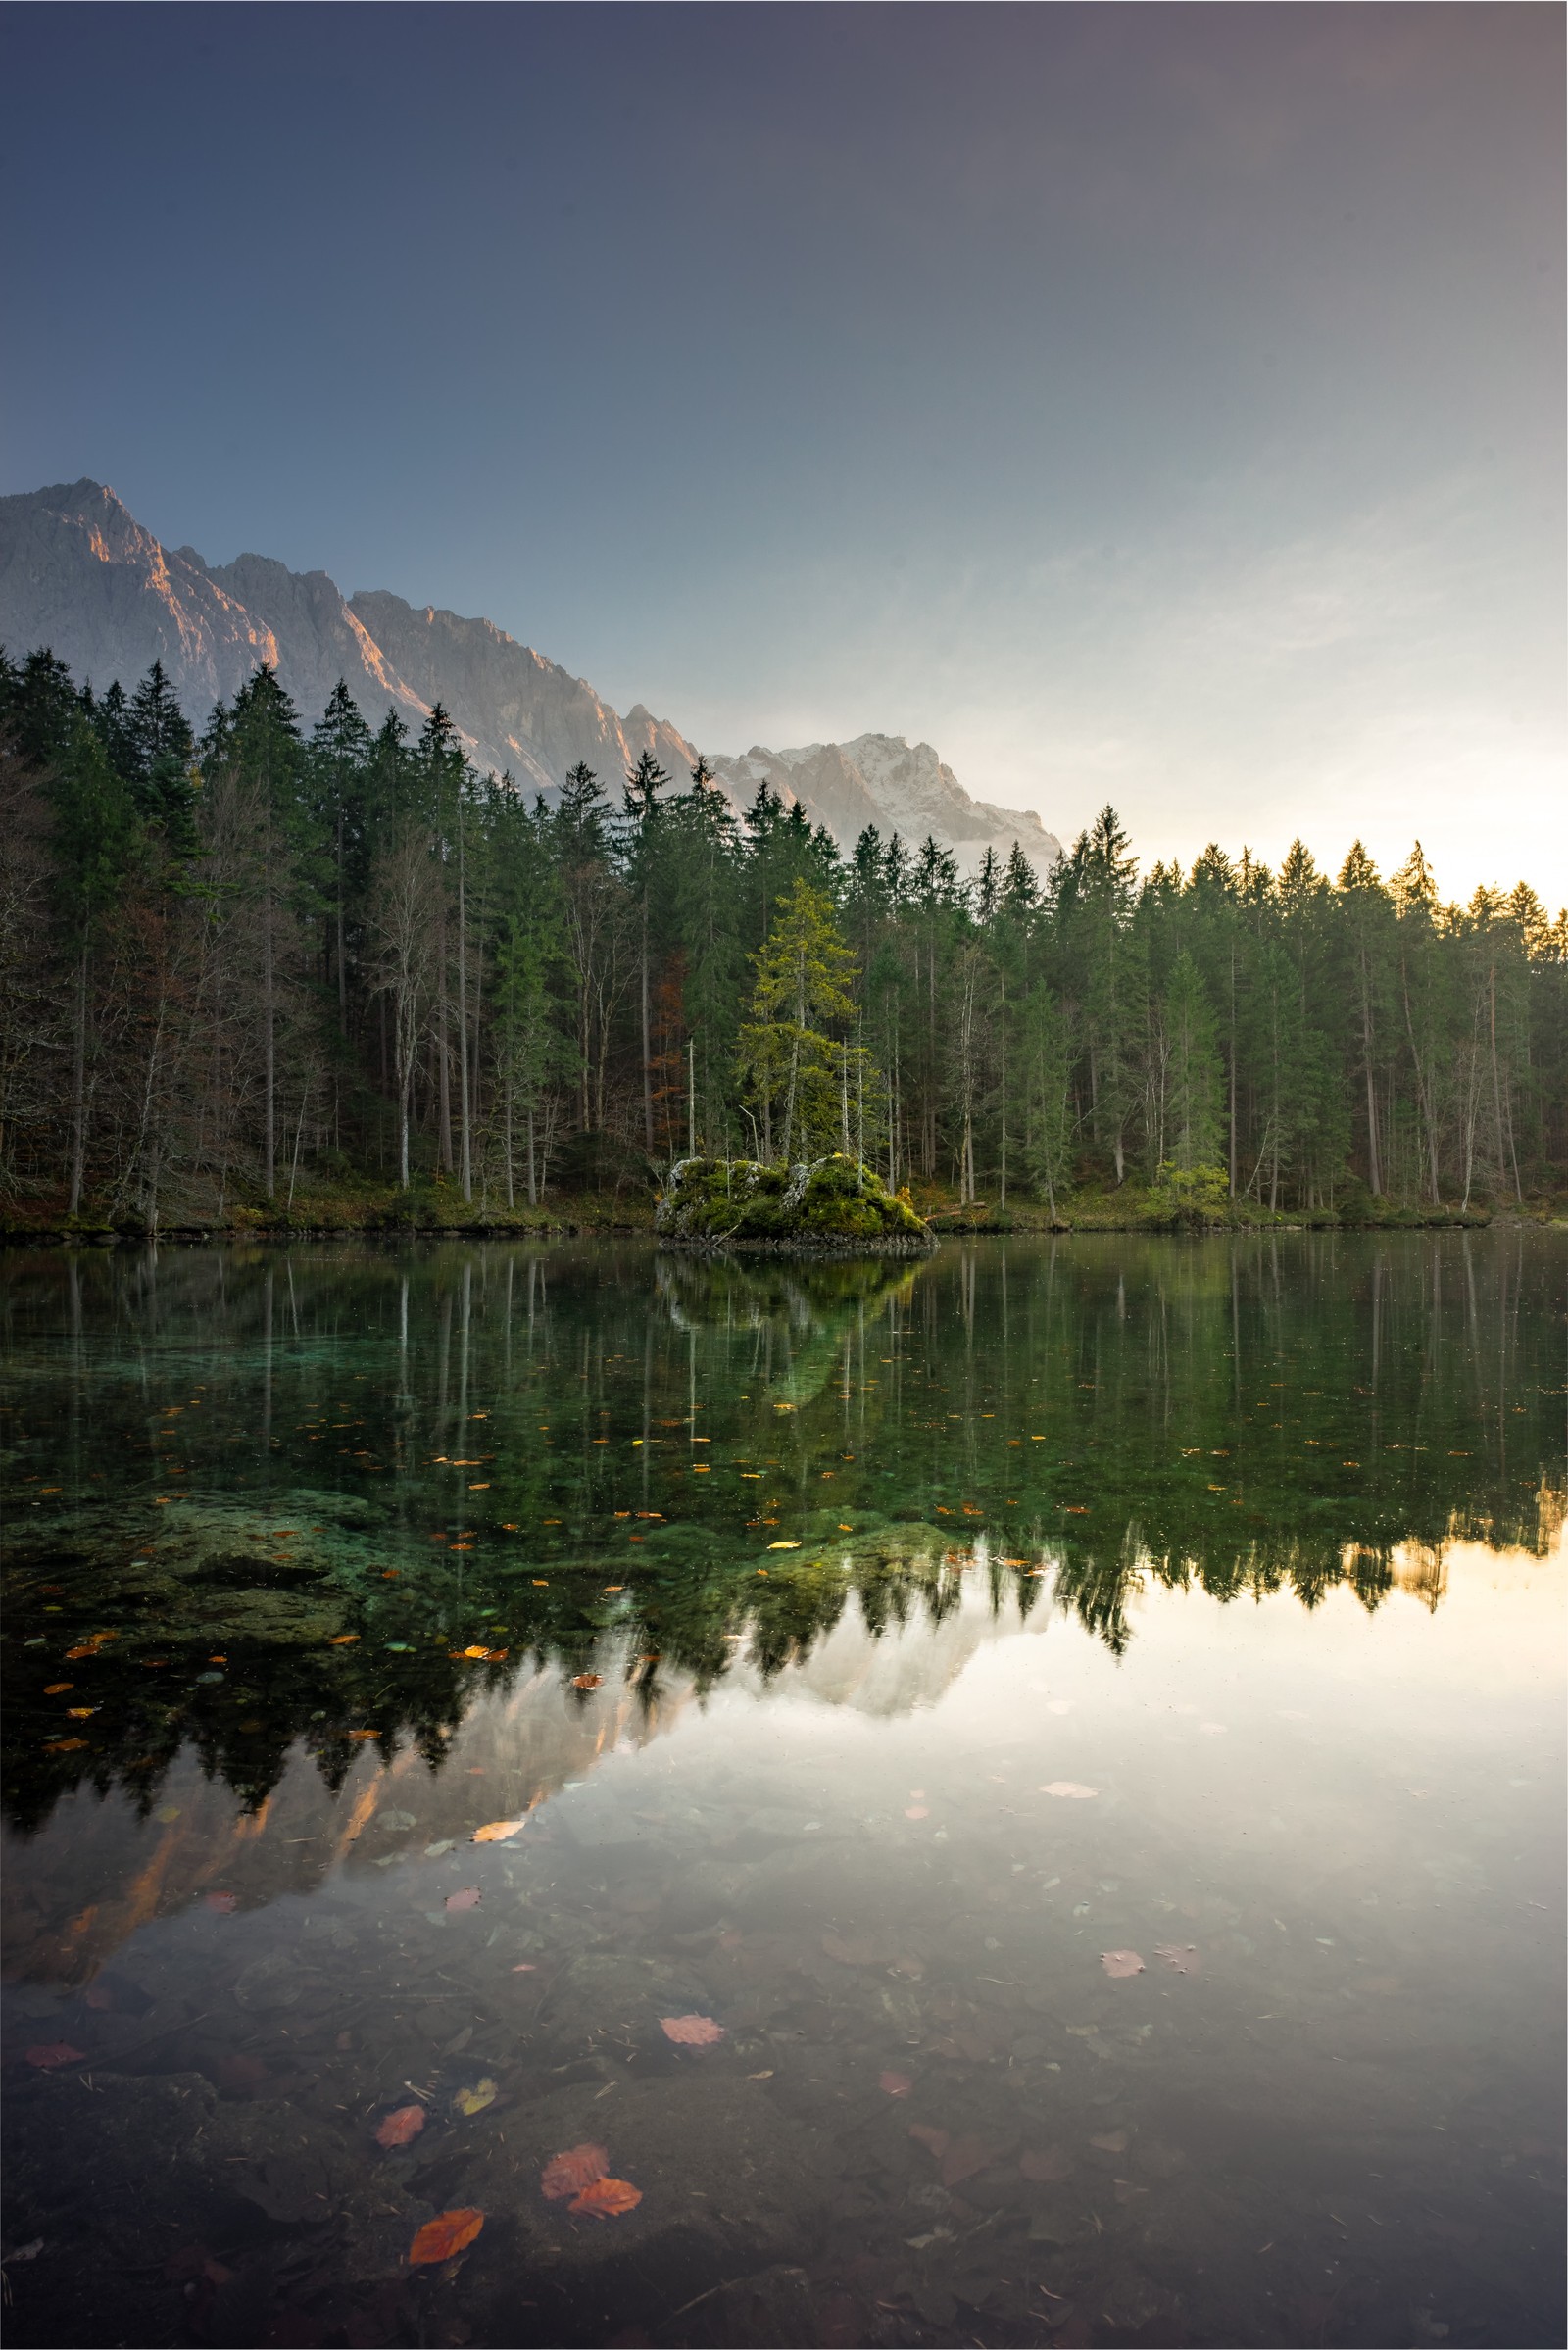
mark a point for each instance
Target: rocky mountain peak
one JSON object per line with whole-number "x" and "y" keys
{"x": 79, "y": 573}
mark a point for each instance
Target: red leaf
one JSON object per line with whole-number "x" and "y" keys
{"x": 964, "y": 2157}
{"x": 399, "y": 2128}
{"x": 691, "y": 2031}
{"x": 570, "y": 2172}
{"x": 1121, "y": 1964}
{"x": 55, "y": 2052}
{"x": 439, "y": 2238}
{"x": 933, "y": 2140}
{"x": 222, "y": 1902}
{"x": 1047, "y": 2167}
{"x": 896, "y": 2084}
{"x": 606, "y": 2198}
{"x": 586, "y": 1681}
{"x": 467, "y": 1898}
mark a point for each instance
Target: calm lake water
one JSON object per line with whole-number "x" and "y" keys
{"x": 1078, "y": 1725}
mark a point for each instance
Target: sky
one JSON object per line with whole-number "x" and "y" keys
{"x": 1161, "y": 404}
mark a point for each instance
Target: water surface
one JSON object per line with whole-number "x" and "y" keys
{"x": 1081, "y": 1721}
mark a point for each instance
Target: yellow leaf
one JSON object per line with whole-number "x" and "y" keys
{"x": 474, "y": 2100}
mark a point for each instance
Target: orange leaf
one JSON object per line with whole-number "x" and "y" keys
{"x": 568, "y": 2173}
{"x": 62, "y": 1746}
{"x": 606, "y": 2198}
{"x": 496, "y": 1832}
{"x": 399, "y": 2128}
{"x": 586, "y": 1681}
{"x": 691, "y": 2031}
{"x": 439, "y": 2238}
{"x": 341, "y": 1640}
{"x": 58, "y": 1688}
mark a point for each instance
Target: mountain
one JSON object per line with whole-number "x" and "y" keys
{"x": 81, "y": 575}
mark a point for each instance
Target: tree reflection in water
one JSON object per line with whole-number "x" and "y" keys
{"x": 326, "y": 1497}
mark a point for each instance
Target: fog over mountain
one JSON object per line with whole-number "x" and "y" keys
{"x": 81, "y": 575}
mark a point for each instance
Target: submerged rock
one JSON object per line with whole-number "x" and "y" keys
{"x": 833, "y": 1203}
{"x": 730, "y": 2185}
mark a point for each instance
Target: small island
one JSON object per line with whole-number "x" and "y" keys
{"x": 833, "y": 1204}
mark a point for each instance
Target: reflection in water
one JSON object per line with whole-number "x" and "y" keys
{"x": 773, "y": 1600}
{"x": 370, "y": 1485}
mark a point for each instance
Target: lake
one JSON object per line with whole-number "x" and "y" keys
{"x": 1011, "y": 1799}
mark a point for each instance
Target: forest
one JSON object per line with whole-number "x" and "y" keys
{"x": 246, "y": 971}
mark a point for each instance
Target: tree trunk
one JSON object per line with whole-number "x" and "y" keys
{"x": 78, "y": 1086}
{"x": 270, "y": 1043}
{"x": 462, "y": 1017}
{"x": 648, "y": 1066}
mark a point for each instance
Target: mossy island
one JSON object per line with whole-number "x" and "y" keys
{"x": 832, "y": 1205}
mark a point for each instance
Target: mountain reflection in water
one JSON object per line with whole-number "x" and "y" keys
{"x": 288, "y": 1499}
{"x": 849, "y": 1652}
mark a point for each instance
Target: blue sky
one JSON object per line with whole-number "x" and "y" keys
{"x": 1155, "y": 403}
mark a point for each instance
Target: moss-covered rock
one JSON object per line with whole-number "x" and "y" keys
{"x": 834, "y": 1203}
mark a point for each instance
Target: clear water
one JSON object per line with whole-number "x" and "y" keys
{"x": 1254, "y": 1547}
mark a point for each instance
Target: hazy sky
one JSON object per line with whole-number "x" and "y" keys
{"x": 1155, "y": 403}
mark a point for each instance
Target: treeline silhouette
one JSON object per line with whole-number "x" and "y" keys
{"x": 236, "y": 968}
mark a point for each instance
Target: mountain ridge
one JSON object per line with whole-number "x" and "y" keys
{"x": 81, "y": 575}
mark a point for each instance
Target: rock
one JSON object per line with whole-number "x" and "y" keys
{"x": 158, "y": 2163}
{"x": 828, "y": 1204}
{"x": 770, "y": 2311}
{"x": 730, "y": 2187}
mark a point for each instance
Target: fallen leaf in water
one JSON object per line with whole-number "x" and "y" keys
{"x": 222, "y": 1902}
{"x": 445, "y": 1843}
{"x": 1183, "y": 1956}
{"x": 342, "y": 1639}
{"x": 467, "y": 1898}
{"x": 474, "y": 2100}
{"x": 27, "y": 2251}
{"x": 400, "y": 2127}
{"x": 55, "y": 2052}
{"x": 439, "y": 2238}
{"x": 568, "y": 2173}
{"x": 64, "y": 1745}
{"x": 58, "y": 1688}
{"x": 358, "y": 1736}
{"x": 1046, "y": 2166}
{"x": 783, "y": 1545}
{"x": 1121, "y": 1963}
{"x": 917, "y": 1811}
{"x": 525, "y": 1966}
{"x": 928, "y": 2135}
{"x": 586, "y": 1681}
{"x": 1069, "y": 1786}
{"x": 1111, "y": 2141}
{"x": 896, "y": 2084}
{"x": 496, "y": 1832}
{"x": 606, "y": 2198}
{"x": 853, "y": 1950}
{"x": 691, "y": 2031}
{"x": 1059, "y": 1705}
{"x": 965, "y": 2156}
